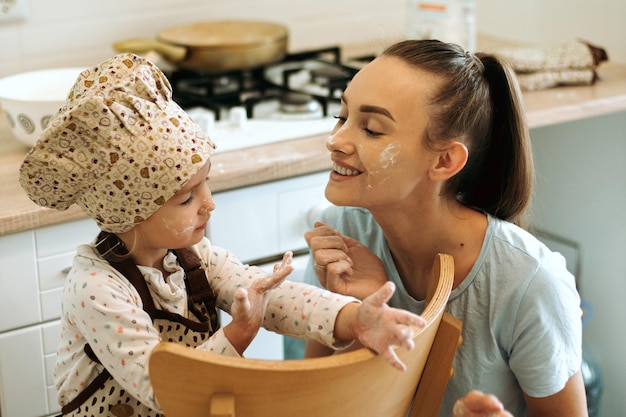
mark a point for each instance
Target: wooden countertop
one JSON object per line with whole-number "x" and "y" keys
{"x": 228, "y": 170}
{"x": 306, "y": 155}
{"x": 564, "y": 104}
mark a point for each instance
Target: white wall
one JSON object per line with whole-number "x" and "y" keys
{"x": 542, "y": 22}
{"x": 581, "y": 194}
{"x": 581, "y": 173}
{"x": 75, "y": 32}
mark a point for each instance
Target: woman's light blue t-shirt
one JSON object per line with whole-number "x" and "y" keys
{"x": 519, "y": 305}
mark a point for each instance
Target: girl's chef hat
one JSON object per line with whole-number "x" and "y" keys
{"x": 119, "y": 148}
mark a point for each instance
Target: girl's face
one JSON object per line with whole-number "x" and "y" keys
{"x": 377, "y": 147}
{"x": 182, "y": 220}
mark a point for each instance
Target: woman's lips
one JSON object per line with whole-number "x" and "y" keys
{"x": 345, "y": 171}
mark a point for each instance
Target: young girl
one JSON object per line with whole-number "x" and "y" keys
{"x": 137, "y": 164}
{"x": 431, "y": 154}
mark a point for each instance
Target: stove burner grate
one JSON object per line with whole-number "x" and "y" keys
{"x": 251, "y": 88}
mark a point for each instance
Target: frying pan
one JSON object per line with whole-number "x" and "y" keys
{"x": 216, "y": 46}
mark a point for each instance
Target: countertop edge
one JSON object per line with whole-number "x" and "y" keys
{"x": 271, "y": 162}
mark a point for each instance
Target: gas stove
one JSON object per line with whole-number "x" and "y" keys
{"x": 295, "y": 98}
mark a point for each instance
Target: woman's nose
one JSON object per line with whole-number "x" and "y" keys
{"x": 337, "y": 141}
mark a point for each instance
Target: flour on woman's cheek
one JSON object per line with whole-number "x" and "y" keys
{"x": 387, "y": 159}
{"x": 389, "y": 155}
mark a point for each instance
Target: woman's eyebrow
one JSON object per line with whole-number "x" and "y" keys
{"x": 367, "y": 108}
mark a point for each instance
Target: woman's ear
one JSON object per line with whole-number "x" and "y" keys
{"x": 449, "y": 161}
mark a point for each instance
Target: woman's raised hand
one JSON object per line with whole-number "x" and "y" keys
{"x": 343, "y": 265}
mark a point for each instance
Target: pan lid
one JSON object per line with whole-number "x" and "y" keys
{"x": 225, "y": 34}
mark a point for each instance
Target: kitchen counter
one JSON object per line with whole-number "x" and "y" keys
{"x": 228, "y": 170}
{"x": 305, "y": 155}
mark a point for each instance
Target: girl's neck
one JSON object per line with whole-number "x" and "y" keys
{"x": 141, "y": 253}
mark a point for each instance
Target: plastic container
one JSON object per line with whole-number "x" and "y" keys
{"x": 447, "y": 20}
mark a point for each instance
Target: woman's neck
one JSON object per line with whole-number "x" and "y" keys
{"x": 417, "y": 235}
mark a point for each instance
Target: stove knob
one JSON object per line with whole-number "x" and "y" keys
{"x": 238, "y": 117}
{"x": 206, "y": 121}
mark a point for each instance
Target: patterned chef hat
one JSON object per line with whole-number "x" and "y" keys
{"x": 120, "y": 147}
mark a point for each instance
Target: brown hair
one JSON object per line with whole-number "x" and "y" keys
{"x": 479, "y": 103}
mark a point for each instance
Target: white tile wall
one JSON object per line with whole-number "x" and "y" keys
{"x": 555, "y": 21}
{"x": 75, "y": 32}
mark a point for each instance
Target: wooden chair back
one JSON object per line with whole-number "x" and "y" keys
{"x": 193, "y": 383}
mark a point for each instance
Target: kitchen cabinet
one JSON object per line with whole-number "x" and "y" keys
{"x": 33, "y": 265}
{"x": 258, "y": 224}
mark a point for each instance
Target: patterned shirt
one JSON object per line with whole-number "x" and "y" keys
{"x": 102, "y": 308}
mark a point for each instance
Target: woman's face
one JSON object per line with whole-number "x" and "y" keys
{"x": 378, "y": 151}
{"x": 182, "y": 220}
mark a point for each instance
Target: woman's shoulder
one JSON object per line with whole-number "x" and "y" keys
{"x": 520, "y": 250}
{"x": 518, "y": 239}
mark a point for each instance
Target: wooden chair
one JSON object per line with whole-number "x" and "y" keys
{"x": 192, "y": 383}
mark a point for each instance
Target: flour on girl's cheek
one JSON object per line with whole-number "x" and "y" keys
{"x": 179, "y": 227}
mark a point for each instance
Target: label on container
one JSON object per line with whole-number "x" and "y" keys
{"x": 447, "y": 20}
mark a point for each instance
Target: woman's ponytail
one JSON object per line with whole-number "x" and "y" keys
{"x": 504, "y": 186}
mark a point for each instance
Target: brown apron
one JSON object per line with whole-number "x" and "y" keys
{"x": 104, "y": 396}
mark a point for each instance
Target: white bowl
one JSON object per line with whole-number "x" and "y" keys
{"x": 30, "y": 99}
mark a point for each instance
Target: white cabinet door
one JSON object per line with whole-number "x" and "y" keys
{"x": 55, "y": 247}
{"x": 266, "y": 219}
{"x": 19, "y": 297}
{"x": 244, "y": 222}
{"x": 32, "y": 266}
{"x": 296, "y": 204}
{"x": 23, "y": 391}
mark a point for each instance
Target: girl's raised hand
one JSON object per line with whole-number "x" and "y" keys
{"x": 249, "y": 306}
{"x": 478, "y": 404}
{"x": 381, "y": 328}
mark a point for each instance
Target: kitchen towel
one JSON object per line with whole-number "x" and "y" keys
{"x": 570, "y": 63}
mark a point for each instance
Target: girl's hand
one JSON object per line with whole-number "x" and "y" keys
{"x": 249, "y": 305}
{"x": 381, "y": 328}
{"x": 343, "y": 265}
{"x": 479, "y": 404}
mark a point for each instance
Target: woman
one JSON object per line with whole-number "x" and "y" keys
{"x": 431, "y": 154}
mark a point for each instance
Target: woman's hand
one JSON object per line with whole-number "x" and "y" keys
{"x": 479, "y": 404}
{"x": 343, "y": 265}
{"x": 249, "y": 306}
{"x": 379, "y": 327}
